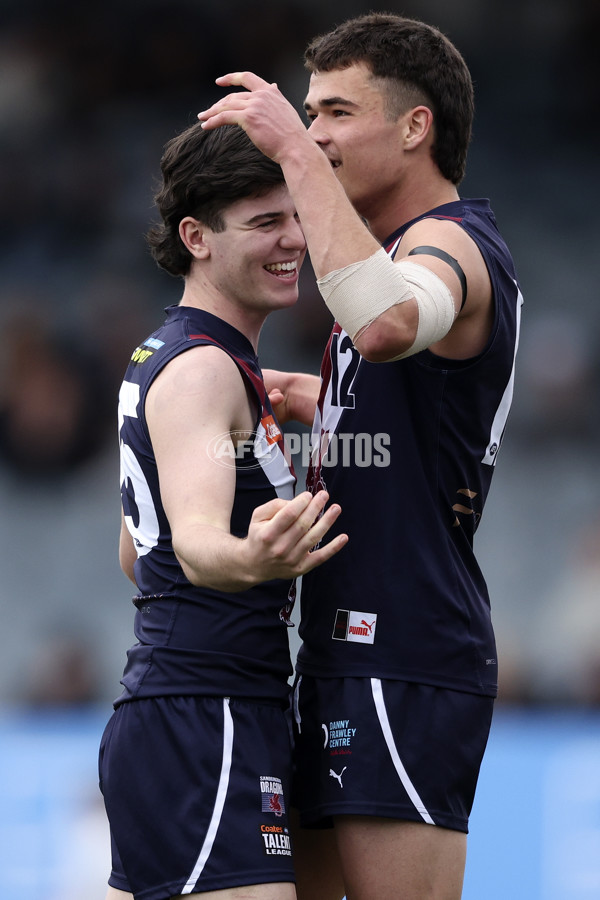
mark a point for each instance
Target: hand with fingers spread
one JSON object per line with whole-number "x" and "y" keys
{"x": 262, "y": 111}
{"x": 283, "y": 533}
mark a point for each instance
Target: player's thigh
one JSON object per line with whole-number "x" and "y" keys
{"x": 390, "y": 859}
{"x": 316, "y": 862}
{"x": 278, "y": 891}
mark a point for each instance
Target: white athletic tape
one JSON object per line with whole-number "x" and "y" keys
{"x": 359, "y": 293}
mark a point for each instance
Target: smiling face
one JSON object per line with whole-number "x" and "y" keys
{"x": 347, "y": 113}
{"x": 253, "y": 264}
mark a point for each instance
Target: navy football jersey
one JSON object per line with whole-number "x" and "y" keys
{"x": 197, "y": 640}
{"x": 408, "y": 449}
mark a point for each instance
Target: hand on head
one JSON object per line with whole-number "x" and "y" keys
{"x": 261, "y": 110}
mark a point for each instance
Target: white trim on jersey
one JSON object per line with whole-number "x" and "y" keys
{"x": 393, "y": 249}
{"x": 389, "y": 739}
{"x": 129, "y": 398}
{"x": 499, "y": 423}
{"x": 219, "y": 801}
{"x": 274, "y": 464}
{"x": 145, "y": 535}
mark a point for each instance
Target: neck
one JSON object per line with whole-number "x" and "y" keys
{"x": 203, "y": 295}
{"x": 412, "y": 199}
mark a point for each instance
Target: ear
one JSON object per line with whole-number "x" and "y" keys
{"x": 419, "y": 124}
{"x": 191, "y": 233}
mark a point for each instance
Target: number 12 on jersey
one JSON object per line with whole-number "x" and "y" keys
{"x": 345, "y": 360}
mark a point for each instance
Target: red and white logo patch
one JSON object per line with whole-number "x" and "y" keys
{"x": 358, "y": 627}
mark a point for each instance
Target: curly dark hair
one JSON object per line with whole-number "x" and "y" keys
{"x": 204, "y": 172}
{"x": 419, "y": 65}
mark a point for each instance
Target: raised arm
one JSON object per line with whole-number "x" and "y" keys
{"x": 197, "y": 400}
{"x": 322, "y": 206}
{"x": 389, "y": 309}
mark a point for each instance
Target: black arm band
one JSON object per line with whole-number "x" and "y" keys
{"x": 441, "y": 254}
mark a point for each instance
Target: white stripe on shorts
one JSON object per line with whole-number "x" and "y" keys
{"x": 219, "y": 801}
{"x": 296, "y": 704}
{"x": 389, "y": 739}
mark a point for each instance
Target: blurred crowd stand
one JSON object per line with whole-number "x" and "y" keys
{"x": 88, "y": 97}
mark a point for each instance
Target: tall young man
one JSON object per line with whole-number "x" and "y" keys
{"x": 398, "y": 669}
{"x": 194, "y": 763}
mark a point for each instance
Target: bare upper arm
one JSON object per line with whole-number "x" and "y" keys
{"x": 471, "y": 328}
{"x": 197, "y": 400}
{"x": 394, "y": 331}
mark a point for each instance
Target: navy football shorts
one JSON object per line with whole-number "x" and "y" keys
{"x": 196, "y": 791}
{"x": 372, "y": 747}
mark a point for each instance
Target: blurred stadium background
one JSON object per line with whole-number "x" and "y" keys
{"x": 89, "y": 94}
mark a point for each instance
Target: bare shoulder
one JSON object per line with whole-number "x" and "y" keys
{"x": 197, "y": 369}
{"x": 450, "y": 237}
{"x": 470, "y": 332}
{"x": 202, "y": 381}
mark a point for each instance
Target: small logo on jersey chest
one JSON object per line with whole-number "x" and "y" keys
{"x": 272, "y": 430}
{"x": 146, "y": 350}
{"x": 358, "y": 627}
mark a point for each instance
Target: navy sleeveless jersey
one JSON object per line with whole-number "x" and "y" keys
{"x": 408, "y": 449}
{"x": 196, "y": 640}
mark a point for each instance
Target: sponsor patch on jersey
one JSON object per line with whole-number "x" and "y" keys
{"x": 276, "y": 839}
{"x": 358, "y": 627}
{"x": 141, "y": 354}
{"x": 271, "y": 791}
{"x": 146, "y": 350}
{"x": 272, "y": 430}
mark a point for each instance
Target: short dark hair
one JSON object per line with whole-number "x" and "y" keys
{"x": 421, "y": 67}
{"x": 204, "y": 172}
